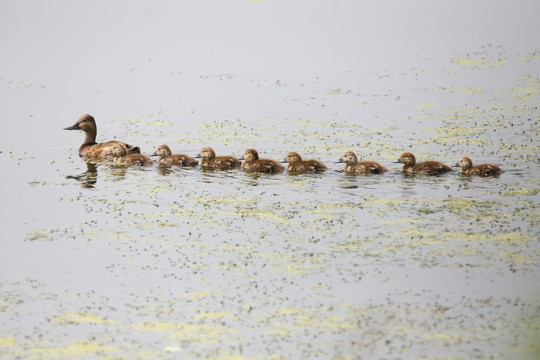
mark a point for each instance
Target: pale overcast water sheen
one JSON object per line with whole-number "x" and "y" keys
{"x": 105, "y": 262}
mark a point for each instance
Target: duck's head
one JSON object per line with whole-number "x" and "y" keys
{"x": 464, "y": 163}
{"x": 162, "y": 151}
{"x": 118, "y": 150}
{"x": 293, "y": 157}
{"x": 349, "y": 157}
{"x": 250, "y": 155}
{"x": 407, "y": 159}
{"x": 86, "y": 123}
{"x": 207, "y": 153}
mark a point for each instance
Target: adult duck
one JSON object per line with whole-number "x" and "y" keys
{"x": 90, "y": 148}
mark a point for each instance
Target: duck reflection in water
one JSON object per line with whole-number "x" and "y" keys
{"x": 88, "y": 178}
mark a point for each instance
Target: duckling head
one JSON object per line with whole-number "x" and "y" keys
{"x": 407, "y": 159}
{"x": 349, "y": 157}
{"x": 118, "y": 150}
{"x": 293, "y": 157}
{"x": 162, "y": 151}
{"x": 207, "y": 153}
{"x": 464, "y": 163}
{"x": 250, "y": 155}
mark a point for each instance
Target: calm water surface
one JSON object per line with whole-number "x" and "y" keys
{"x": 103, "y": 261}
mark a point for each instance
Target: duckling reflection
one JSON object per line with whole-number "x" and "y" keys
{"x": 353, "y": 166}
{"x": 89, "y": 148}
{"x": 427, "y": 167}
{"x": 88, "y": 178}
{"x": 210, "y": 161}
{"x": 167, "y": 158}
{"x": 121, "y": 156}
{"x": 253, "y": 163}
{"x": 467, "y": 168}
{"x": 297, "y": 165}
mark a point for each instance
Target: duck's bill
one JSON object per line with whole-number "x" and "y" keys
{"x": 74, "y": 127}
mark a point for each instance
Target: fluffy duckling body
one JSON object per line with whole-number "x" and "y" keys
{"x": 353, "y": 166}
{"x": 90, "y": 149}
{"x": 427, "y": 167}
{"x": 296, "y": 164}
{"x": 168, "y": 159}
{"x": 121, "y": 156}
{"x": 210, "y": 161}
{"x": 253, "y": 163}
{"x": 467, "y": 168}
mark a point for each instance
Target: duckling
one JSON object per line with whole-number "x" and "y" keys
{"x": 120, "y": 153}
{"x": 253, "y": 163}
{"x": 91, "y": 149}
{"x": 427, "y": 167}
{"x": 467, "y": 168}
{"x": 210, "y": 161}
{"x": 360, "y": 167}
{"x": 167, "y": 159}
{"x": 296, "y": 164}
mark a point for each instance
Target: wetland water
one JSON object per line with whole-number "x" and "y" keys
{"x": 102, "y": 261}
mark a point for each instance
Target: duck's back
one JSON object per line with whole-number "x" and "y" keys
{"x": 225, "y": 162}
{"x": 484, "y": 170}
{"x": 366, "y": 167}
{"x": 263, "y": 165}
{"x": 99, "y": 150}
{"x": 178, "y": 159}
{"x": 135, "y": 159}
{"x": 307, "y": 166}
{"x": 431, "y": 167}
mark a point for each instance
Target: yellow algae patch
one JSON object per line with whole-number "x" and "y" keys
{"x": 38, "y": 235}
{"x": 83, "y": 318}
{"x": 480, "y": 63}
{"x": 74, "y": 350}
{"x": 442, "y": 336}
{"x": 424, "y": 106}
{"x": 7, "y": 341}
{"x": 522, "y": 192}
{"x": 468, "y": 90}
{"x": 215, "y": 315}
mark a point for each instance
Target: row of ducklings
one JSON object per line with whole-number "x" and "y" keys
{"x": 250, "y": 161}
{"x": 128, "y": 154}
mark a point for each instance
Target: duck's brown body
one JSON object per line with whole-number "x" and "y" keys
{"x": 297, "y": 165}
{"x": 467, "y": 168}
{"x": 427, "y": 167}
{"x": 253, "y": 163}
{"x": 90, "y": 149}
{"x": 210, "y": 161}
{"x": 119, "y": 151}
{"x": 353, "y": 166}
{"x": 169, "y": 159}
